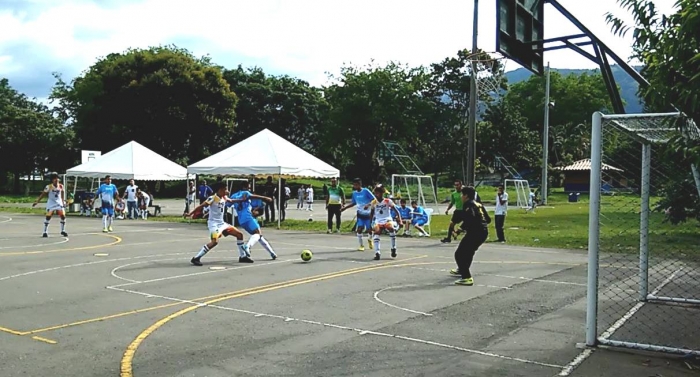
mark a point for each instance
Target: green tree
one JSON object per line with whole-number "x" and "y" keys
{"x": 371, "y": 105}
{"x": 162, "y": 97}
{"x": 31, "y": 138}
{"x": 285, "y": 105}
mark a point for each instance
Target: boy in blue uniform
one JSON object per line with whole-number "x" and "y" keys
{"x": 107, "y": 192}
{"x": 420, "y": 218}
{"x": 247, "y": 220}
{"x": 362, "y": 198}
{"x": 406, "y": 216}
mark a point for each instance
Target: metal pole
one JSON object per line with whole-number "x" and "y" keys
{"x": 594, "y": 230}
{"x": 279, "y": 200}
{"x": 644, "y": 225}
{"x": 696, "y": 176}
{"x": 471, "y": 136}
{"x": 545, "y": 140}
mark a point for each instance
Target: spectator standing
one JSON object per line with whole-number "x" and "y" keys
{"x": 300, "y": 197}
{"x": 500, "y": 214}
{"x": 310, "y": 198}
{"x": 131, "y": 199}
{"x": 335, "y": 200}
{"x": 204, "y": 192}
{"x": 189, "y": 198}
{"x": 270, "y": 192}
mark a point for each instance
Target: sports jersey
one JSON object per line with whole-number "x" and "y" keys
{"x": 107, "y": 192}
{"x": 335, "y": 195}
{"x": 419, "y": 213}
{"x": 217, "y": 208}
{"x": 405, "y": 212}
{"x": 382, "y": 210}
{"x": 55, "y": 195}
{"x": 456, "y": 200}
{"x": 131, "y": 193}
{"x": 361, "y": 199}
{"x": 474, "y": 218}
{"x": 244, "y": 208}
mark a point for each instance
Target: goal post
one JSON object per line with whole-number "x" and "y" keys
{"x": 643, "y": 244}
{"x": 415, "y": 187}
{"x": 521, "y": 189}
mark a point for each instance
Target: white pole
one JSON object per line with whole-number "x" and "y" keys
{"x": 644, "y": 224}
{"x": 279, "y": 201}
{"x": 545, "y": 139}
{"x": 594, "y": 230}
{"x": 696, "y": 175}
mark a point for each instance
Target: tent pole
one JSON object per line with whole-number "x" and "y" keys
{"x": 279, "y": 201}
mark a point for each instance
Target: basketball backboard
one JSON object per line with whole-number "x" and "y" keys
{"x": 520, "y": 23}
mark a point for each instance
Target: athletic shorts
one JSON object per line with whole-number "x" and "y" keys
{"x": 384, "y": 223}
{"x": 54, "y": 208}
{"x": 419, "y": 222}
{"x": 107, "y": 209}
{"x": 249, "y": 224}
{"x": 217, "y": 230}
{"x": 363, "y": 223}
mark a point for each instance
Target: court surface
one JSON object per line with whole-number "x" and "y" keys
{"x": 129, "y": 303}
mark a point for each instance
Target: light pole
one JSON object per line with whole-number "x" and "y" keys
{"x": 471, "y": 133}
{"x": 545, "y": 137}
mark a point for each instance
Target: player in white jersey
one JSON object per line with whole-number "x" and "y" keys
{"x": 217, "y": 226}
{"x": 382, "y": 219}
{"x": 54, "y": 204}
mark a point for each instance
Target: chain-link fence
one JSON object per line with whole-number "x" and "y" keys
{"x": 644, "y": 236}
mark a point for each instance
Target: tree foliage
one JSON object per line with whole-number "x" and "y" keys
{"x": 162, "y": 97}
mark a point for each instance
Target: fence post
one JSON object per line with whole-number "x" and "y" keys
{"x": 594, "y": 229}
{"x": 644, "y": 224}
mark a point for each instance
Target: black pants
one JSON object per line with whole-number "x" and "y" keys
{"x": 464, "y": 255}
{"x": 334, "y": 210}
{"x": 283, "y": 207}
{"x": 270, "y": 208}
{"x": 500, "y": 221}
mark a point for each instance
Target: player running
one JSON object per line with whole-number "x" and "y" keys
{"x": 107, "y": 192}
{"x": 362, "y": 198}
{"x": 247, "y": 220}
{"x": 474, "y": 219}
{"x": 217, "y": 226}
{"x": 383, "y": 220}
{"x": 54, "y": 204}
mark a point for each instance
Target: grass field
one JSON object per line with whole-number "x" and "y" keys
{"x": 560, "y": 225}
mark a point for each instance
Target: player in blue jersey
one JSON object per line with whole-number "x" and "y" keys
{"x": 362, "y": 198}
{"x": 247, "y": 220}
{"x": 420, "y": 218}
{"x": 217, "y": 224}
{"x": 107, "y": 193}
{"x": 406, "y": 216}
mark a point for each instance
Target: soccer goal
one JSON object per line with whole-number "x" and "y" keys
{"x": 415, "y": 187}
{"x": 643, "y": 241}
{"x": 521, "y": 189}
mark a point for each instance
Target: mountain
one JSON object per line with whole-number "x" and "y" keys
{"x": 628, "y": 86}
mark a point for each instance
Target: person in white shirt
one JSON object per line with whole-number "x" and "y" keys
{"x": 309, "y": 198}
{"x": 54, "y": 204}
{"x": 532, "y": 202}
{"x": 501, "y": 211}
{"x": 300, "y": 197}
{"x": 190, "y": 197}
{"x": 131, "y": 199}
{"x": 145, "y": 201}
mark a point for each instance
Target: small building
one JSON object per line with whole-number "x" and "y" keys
{"x": 577, "y": 176}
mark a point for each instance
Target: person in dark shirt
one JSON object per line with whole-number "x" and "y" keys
{"x": 474, "y": 220}
{"x": 270, "y": 191}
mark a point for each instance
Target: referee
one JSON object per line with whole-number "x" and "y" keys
{"x": 474, "y": 219}
{"x": 456, "y": 201}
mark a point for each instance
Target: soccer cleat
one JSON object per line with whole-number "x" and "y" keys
{"x": 393, "y": 253}
{"x": 377, "y": 256}
{"x": 274, "y": 256}
{"x": 45, "y": 235}
{"x": 110, "y": 229}
{"x": 454, "y": 271}
{"x": 195, "y": 261}
{"x": 445, "y": 240}
{"x": 64, "y": 234}
{"x": 361, "y": 248}
{"x": 371, "y": 243}
{"x": 246, "y": 248}
{"x": 467, "y": 281}
{"x": 104, "y": 230}
{"x": 245, "y": 260}
{"x": 329, "y": 231}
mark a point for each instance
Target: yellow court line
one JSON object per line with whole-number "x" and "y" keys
{"x": 21, "y": 333}
{"x": 128, "y": 357}
{"x": 49, "y": 341}
{"x": 117, "y": 240}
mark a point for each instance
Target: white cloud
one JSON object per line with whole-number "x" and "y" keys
{"x": 304, "y": 38}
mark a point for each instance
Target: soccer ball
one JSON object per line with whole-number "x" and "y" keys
{"x": 306, "y": 255}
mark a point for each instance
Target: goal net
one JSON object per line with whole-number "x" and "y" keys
{"x": 643, "y": 242}
{"x": 415, "y": 187}
{"x": 518, "y": 189}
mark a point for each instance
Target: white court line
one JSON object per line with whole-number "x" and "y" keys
{"x": 614, "y": 327}
{"x": 510, "y": 277}
{"x": 340, "y": 327}
{"x": 7, "y": 219}
{"x": 64, "y": 240}
{"x": 376, "y": 297}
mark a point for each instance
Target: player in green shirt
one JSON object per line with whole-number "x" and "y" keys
{"x": 456, "y": 201}
{"x": 335, "y": 200}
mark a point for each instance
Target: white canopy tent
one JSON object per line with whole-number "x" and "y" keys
{"x": 263, "y": 154}
{"x": 130, "y": 161}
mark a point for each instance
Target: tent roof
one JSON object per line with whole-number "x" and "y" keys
{"x": 585, "y": 165}
{"x": 131, "y": 161}
{"x": 264, "y": 153}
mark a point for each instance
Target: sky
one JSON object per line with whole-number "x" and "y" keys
{"x": 302, "y": 38}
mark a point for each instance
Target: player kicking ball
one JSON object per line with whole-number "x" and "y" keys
{"x": 362, "y": 198}
{"x": 217, "y": 226}
{"x": 54, "y": 204}
{"x": 247, "y": 219}
{"x": 383, "y": 220}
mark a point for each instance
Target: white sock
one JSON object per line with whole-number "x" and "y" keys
{"x": 241, "y": 249}
{"x": 267, "y": 246}
{"x": 46, "y": 226}
{"x": 104, "y": 221}
{"x": 359, "y": 238}
{"x": 63, "y": 225}
{"x": 253, "y": 240}
{"x": 376, "y": 244}
{"x": 203, "y": 251}
{"x": 392, "y": 234}
{"x": 110, "y": 218}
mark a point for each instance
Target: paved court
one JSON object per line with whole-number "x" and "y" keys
{"x": 129, "y": 303}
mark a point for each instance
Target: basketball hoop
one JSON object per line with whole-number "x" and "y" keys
{"x": 490, "y": 74}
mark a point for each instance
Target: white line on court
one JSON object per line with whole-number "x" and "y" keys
{"x": 287, "y": 319}
{"x": 509, "y": 277}
{"x": 7, "y": 219}
{"x": 614, "y": 327}
{"x": 64, "y": 240}
{"x": 376, "y": 297}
